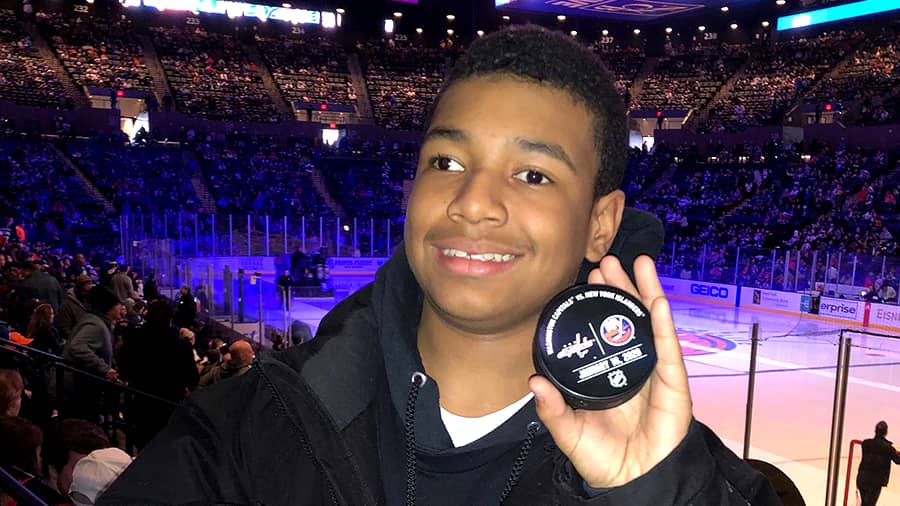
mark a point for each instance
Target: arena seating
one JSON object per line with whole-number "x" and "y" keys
{"x": 309, "y": 68}
{"x": 402, "y": 81}
{"x": 25, "y": 78}
{"x": 98, "y": 52}
{"x": 208, "y": 71}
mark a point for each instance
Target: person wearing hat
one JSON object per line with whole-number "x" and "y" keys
{"x": 74, "y": 306}
{"x": 875, "y": 466}
{"x": 91, "y": 345}
{"x": 93, "y": 474}
{"x": 91, "y": 349}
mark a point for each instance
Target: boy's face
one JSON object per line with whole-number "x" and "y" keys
{"x": 506, "y": 171}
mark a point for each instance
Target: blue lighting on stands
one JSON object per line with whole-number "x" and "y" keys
{"x": 831, "y": 14}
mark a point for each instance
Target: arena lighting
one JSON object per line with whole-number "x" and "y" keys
{"x": 734, "y": 26}
{"x": 841, "y": 12}
{"x": 724, "y": 8}
{"x": 233, "y": 9}
{"x": 605, "y": 32}
{"x": 450, "y": 17}
{"x": 668, "y": 29}
{"x": 480, "y": 33}
{"x": 637, "y": 31}
{"x": 398, "y": 14}
{"x": 766, "y": 24}
{"x": 505, "y": 18}
{"x": 419, "y": 31}
{"x": 388, "y": 26}
{"x": 450, "y": 31}
{"x": 828, "y": 107}
{"x": 701, "y": 28}
{"x": 780, "y": 2}
{"x": 340, "y": 11}
{"x": 286, "y": 5}
{"x": 560, "y": 18}
{"x": 573, "y": 33}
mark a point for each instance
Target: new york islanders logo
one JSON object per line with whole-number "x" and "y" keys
{"x": 617, "y": 330}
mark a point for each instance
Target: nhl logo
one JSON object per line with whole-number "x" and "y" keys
{"x": 617, "y": 379}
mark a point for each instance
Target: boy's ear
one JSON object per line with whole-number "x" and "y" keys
{"x": 606, "y": 216}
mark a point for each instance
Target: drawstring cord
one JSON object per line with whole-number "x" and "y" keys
{"x": 519, "y": 464}
{"x": 418, "y": 380}
{"x": 409, "y": 428}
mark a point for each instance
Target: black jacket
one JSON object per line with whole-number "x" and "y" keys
{"x": 323, "y": 424}
{"x": 875, "y": 466}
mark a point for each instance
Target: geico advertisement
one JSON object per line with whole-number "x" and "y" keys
{"x": 713, "y": 292}
{"x": 840, "y": 308}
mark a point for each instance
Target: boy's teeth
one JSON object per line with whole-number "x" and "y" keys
{"x": 482, "y": 257}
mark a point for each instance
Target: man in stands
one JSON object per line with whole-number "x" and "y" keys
{"x": 67, "y": 443}
{"x": 21, "y": 442}
{"x": 74, "y": 306}
{"x": 41, "y": 286}
{"x": 122, "y": 285}
{"x": 875, "y": 466}
{"x": 522, "y": 158}
{"x": 239, "y": 361}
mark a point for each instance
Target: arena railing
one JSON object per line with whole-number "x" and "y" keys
{"x": 57, "y": 388}
{"x": 16, "y": 491}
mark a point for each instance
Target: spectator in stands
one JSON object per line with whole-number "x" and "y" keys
{"x": 185, "y": 308}
{"x": 875, "y": 467}
{"x": 122, "y": 285}
{"x": 46, "y": 337}
{"x": 94, "y": 473}
{"x": 74, "y": 306}
{"x": 66, "y": 443}
{"x": 239, "y": 361}
{"x": 41, "y": 286}
{"x": 158, "y": 361}
{"x": 11, "y": 390}
{"x": 21, "y": 442}
{"x": 151, "y": 288}
{"x": 91, "y": 345}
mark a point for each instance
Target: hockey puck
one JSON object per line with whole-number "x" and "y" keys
{"x": 595, "y": 344}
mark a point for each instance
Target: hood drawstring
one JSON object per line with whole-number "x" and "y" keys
{"x": 409, "y": 428}
{"x": 418, "y": 380}
{"x": 519, "y": 464}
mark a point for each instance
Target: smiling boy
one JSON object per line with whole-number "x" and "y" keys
{"x": 420, "y": 388}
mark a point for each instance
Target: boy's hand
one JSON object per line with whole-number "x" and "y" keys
{"x": 612, "y": 447}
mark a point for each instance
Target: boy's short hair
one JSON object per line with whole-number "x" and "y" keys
{"x": 536, "y": 55}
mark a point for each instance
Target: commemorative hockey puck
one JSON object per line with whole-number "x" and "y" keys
{"x": 595, "y": 344}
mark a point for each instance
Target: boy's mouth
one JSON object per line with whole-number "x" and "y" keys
{"x": 481, "y": 257}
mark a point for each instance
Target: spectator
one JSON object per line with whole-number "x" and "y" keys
{"x": 74, "y": 306}
{"x": 121, "y": 284}
{"x": 158, "y": 361}
{"x": 185, "y": 308}
{"x": 21, "y": 442}
{"x": 90, "y": 347}
{"x": 95, "y": 472}
{"x": 45, "y": 336}
{"x": 68, "y": 442}
{"x": 11, "y": 390}
{"x": 151, "y": 289}
{"x": 240, "y": 360}
{"x": 41, "y": 286}
{"x": 875, "y": 467}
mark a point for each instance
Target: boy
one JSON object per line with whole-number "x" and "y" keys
{"x": 419, "y": 388}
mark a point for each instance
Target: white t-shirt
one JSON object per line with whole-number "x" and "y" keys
{"x": 464, "y": 430}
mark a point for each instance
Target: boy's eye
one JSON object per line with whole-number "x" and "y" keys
{"x": 532, "y": 177}
{"x": 446, "y": 163}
